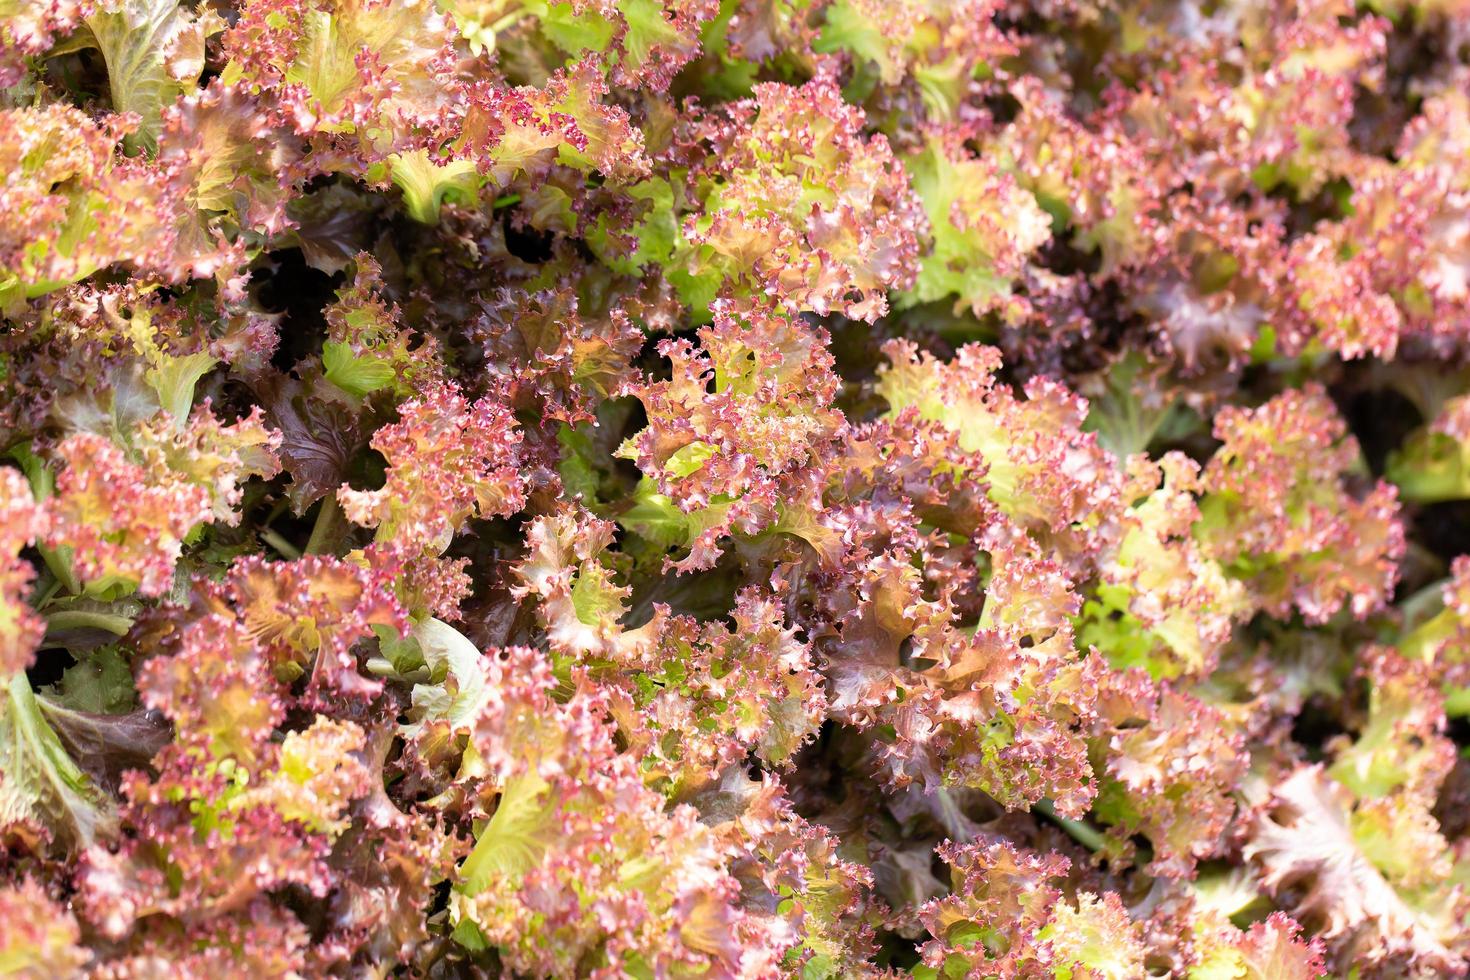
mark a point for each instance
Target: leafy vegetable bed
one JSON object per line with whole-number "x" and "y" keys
{"x": 735, "y": 488}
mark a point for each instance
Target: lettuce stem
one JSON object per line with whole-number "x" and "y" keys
{"x": 326, "y": 533}
{"x": 286, "y": 548}
{"x": 1080, "y": 831}
{"x": 71, "y": 619}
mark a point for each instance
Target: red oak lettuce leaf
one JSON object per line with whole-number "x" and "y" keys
{"x": 985, "y": 227}
{"x": 1041, "y": 469}
{"x": 797, "y": 888}
{"x": 493, "y": 133}
{"x": 1308, "y": 840}
{"x": 307, "y": 614}
{"x": 550, "y": 358}
{"x": 236, "y": 166}
{"x": 39, "y": 937}
{"x": 367, "y": 76}
{"x": 1433, "y": 463}
{"x": 28, "y": 29}
{"x": 1008, "y": 916}
{"x": 1189, "y": 929}
{"x": 642, "y": 43}
{"x": 940, "y": 47}
{"x": 581, "y": 867}
{"x": 1358, "y": 843}
{"x": 208, "y": 838}
{"x": 123, "y": 513}
{"x": 261, "y": 939}
{"x": 1004, "y": 707}
{"x": 732, "y": 435}
{"x": 1168, "y": 766}
{"x": 1110, "y": 191}
{"x": 580, "y": 606}
{"x": 1161, "y": 603}
{"x": 1277, "y": 511}
{"x": 706, "y": 696}
{"x": 387, "y": 864}
{"x": 74, "y": 204}
{"x": 22, "y": 522}
{"x": 367, "y": 348}
{"x": 449, "y": 459}
{"x": 1442, "y": 641}
{"x": 798, "y": 204}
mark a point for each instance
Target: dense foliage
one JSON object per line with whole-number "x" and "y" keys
{"x": 735, "y": 488}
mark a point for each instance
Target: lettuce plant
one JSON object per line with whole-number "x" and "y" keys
{"x": 734, "y": 489}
